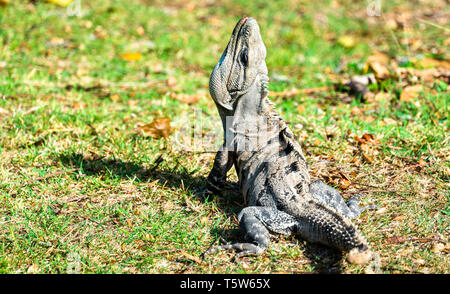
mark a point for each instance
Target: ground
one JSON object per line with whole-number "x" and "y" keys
{"x": 94, "y": 100}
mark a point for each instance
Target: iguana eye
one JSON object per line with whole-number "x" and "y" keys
{"x": 244, "y": 56}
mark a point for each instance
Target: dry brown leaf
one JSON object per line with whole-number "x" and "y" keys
{"x": 438, "y": 247}
{"x": 367, "y": 157}
{"x": 431, "y": 74}
{"x": 132, "y": 102}
{"x": 55, "y": 41}
{"x": 157, "y": 68}
{"x": 380, "y": 70}
{"x": 190, "y": 7}
{"x": 34, "y": 268}
{"x": 410, "y": 92}
{"x": 388, "y": 121}
{"x": 114, "y": 97}
{"x": 398, "y": 218}
{"x": 185, "y": 98}
{"x": 191, "y": 257}
{"x": 396, "y": 240}
{"x": 132, "y": 56}
{"x": 158, "y": 128}
{"x": 368, "y": 137}
{"x": 430, "y": 62}
{"x": 79, "y": 105}
{"x": 285, "y": 93}
{"x": 380, "y": 96}
{"x": 344, "y": 184}
{"x": 140, "y": 30}
{"x": 422, "y": 162}
{"x": 204, "y": 220}
{"x": 215, "y": 21}
{"x": 380, "y": 57}
{"x": 365, "y": 148}
{"x": 100, "y": 32}
{"x": 447, "y": 248}
{"x": 378, "y": 63}
{"x": 382, "y": 210}
{"x": 4, "y": 112}
{"x": 171, "y": 81}
{"x": 294, "y": 92}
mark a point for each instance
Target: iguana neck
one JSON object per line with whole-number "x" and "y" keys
{"x": 253, "y": 104}
{"x": 254, "y": 122}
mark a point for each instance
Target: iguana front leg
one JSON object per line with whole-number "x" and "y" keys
{"x": 222, "y": 164}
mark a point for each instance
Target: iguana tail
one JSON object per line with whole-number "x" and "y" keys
{"x": 322, "y": 224}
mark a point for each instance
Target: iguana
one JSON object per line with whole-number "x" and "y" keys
{"x": 272, "y": 171}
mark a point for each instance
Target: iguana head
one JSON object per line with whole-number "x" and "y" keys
{"x": 241, "y": 62}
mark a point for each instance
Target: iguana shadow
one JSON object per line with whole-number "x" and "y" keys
{"x": 323, "y": 259}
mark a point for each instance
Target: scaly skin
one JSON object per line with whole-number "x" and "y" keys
{"x": 272, "y": 170}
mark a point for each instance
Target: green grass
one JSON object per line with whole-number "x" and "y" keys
{"x": 81, "y": 190}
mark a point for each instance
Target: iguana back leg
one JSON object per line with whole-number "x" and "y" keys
{"x": 255, "y": 223}
{"x": 331, "y": 197}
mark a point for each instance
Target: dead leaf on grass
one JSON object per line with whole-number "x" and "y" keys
{"x": 344, "y": 184}
{"x": 186, "y": 98}
{"x": 411, "y": 92}
{"x": 396, "y": 240}
{"x": 115, "y": 97}
{"x": 380, "y": 70}
{"x": 380, "y": 96}
{"x": 33, "y": 269}
{"x": 132, "y": 102}
{"x": 191, "y": 257}
{"x": 367, "y": 157}
{"x": 398, "y": 218}
{"x": 285, "y": 93}
{"x": 317, "y": 142}
{"x": 294, "y": 92}
{"x": 4, "y": 112}
{"x": 378, "y": 63}
{"x": 367, "y": 144}
{"x": 171, "y": 81}
{"x": 430, "y": 62}
{"x": 57, "y": 42}
{"x": 158, "y": 128}
{"x": 439, "y": 247}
